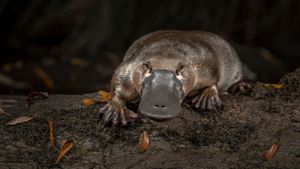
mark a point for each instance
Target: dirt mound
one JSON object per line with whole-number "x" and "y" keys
{"x": 235, "y": 137}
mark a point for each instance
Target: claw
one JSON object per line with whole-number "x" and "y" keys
{"x": 217, "y": 102}
{"x": 123, "y": 119}
{"x": 210, "y": 103}
{"x": 102, "y": 109}
{"x": 208, "y": 99}
{"x": 203, "y": 103}
{"x": 115, "y": 119}
{"x": 195, "y": 99}
{"x": 117, "y": 114}
{"x": 197, "y": 105}
{"x": 107, "y": 116}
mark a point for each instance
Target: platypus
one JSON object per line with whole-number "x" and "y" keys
{"x": 162, "y": 68}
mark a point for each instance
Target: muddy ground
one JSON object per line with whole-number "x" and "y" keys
{"x": 233, "y": 138}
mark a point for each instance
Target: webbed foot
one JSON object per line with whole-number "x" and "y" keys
{"x": 115, "y": 111}
{"x": 208, "y": 99}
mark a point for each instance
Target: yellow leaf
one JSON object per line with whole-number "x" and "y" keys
{"x": 18, "y": 120}
{"x": 273, "y": 85}
{"x": 144, "y": 142}
{"x": 104, "y": 96}
{"x": 65, "y": 148}
{"x": 88, "y": 101}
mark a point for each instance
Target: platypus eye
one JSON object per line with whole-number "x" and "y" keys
{"x": 147, "y": 67}
{"x": 179, "y": 68}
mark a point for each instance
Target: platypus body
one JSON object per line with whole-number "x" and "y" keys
{"x": 163, "y": 68}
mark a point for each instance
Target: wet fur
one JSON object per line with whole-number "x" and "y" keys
{"x": 206, "y": 62}
{"x": 212, "y": 58}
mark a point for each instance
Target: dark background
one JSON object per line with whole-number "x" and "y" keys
{"x": 73, "y": 46}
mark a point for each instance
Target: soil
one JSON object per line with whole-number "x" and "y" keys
{"x": 233, "y": 138}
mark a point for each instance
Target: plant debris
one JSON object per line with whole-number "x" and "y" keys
{"x": 88, "y": 101}
{"x": 48, "y": 82}
{"x": 51, "y": 132}
{"x": 104, "y": 96}
{"x": 271, "y": 152}
{"x": 65, "y": 148}
{"x": 3, "y": 112}
{"x": 8, "y": 81}
{"x": 7, "y": 67}
{"x": 144, "y": 142}
{"x": 273, "y": 85}
{"x": 79, "y": 61}
{"x": 19, "y": 120}
{"x": 36, "y": 95}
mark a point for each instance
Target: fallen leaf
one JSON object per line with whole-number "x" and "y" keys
{"x": 3, "y": 112}
{"x": 18, "y": 120}
{"x": 88, "y": 101}
{"x": 144, "y": 142}
{"x": 36, "y": 94}
{"x": 65, "y": 148}
{"x": 51, "y": 132}
{"x": 7, "y": 67}
{"x": 8, "y": 81}
{"x": 269, "y": 56}
{"x": 273, "y": 85}
{"x": 45, "y": 77}
{"x": 104, "y": 96}
{"x": 271, "y": 152}
{"x": 79, "y": 61}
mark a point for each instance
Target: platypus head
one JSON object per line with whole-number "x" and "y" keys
{"x": 162, "y": 92}
{"x": 162, "y": 95}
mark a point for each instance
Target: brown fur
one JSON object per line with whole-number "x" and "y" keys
{"x": 202, "y": 61}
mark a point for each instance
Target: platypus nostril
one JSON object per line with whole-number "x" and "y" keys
{"x": 157, "y": 106}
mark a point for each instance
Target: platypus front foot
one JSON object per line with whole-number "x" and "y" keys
{"x": 208, "y": 99}
{"x": 115, "y": 111}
